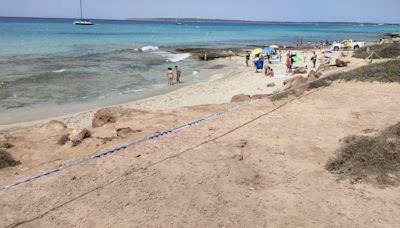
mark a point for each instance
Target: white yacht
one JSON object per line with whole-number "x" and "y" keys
{"x": 82, "y": 21}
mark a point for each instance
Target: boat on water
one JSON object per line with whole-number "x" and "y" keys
{"x": 82, "y": 21}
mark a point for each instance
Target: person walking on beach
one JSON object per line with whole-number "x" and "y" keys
{"x": 314, "y": 59}
{"x": 247, "y": 59}
{"x": 170, "y": 76}
{"x": 288, "y": 63}
{"x": 178, "y": 74}
{"x": 205, "y": 56}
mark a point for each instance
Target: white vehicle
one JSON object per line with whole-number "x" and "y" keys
{"x": 347, "y": 45}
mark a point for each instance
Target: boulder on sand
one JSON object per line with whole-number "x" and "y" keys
{"x": 103, "y": 117}
{"x": 78, "y": 135}
{"x": 123, "y": 132}
{"x": 314, "y": 75}
{"x": 53, "y": 125}
{"x": 340, "y": 63}
{"x": 111, "y": 115}
{"x": 240, "y": 98}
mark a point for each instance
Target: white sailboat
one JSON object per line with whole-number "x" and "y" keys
{"x": 82, "y": 21}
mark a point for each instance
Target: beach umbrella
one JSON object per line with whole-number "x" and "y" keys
{"x": 268, "y": 49}
{"x": 274, "y": 46}
{"x": 256, "y": 51}
{"x": 296, "y": 59}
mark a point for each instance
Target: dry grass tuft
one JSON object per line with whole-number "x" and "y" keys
{"x": 371, "y": 159}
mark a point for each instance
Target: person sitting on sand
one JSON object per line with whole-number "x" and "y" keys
{"x": 270, "y": 72}
{"x": 178, "y": 74}
{"x": 170, "y": 76}
{"x": 266, "y": 68}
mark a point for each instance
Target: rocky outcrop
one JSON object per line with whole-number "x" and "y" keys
{"x": 53, "y": 125}
{"x": 111, "y": 115}
{"x": 103, "y": 117}
{"x": 340, "y": 63}
{"x": 78, "y": 135}
{"x": 314, "y": 75}
{"x": 124, "y": 132}
{"x": 258, "y": 96}
{"x": 211, "y": 53}
{"x": 240, "y": 98}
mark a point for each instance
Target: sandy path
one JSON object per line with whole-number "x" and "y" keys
{"x": 268, "y": 173}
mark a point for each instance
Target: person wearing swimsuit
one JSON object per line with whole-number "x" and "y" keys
{"x": 170, "y": 76}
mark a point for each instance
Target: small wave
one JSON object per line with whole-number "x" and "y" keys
{"x": 59, "y": 71}
{"x": 174, "y": 57}
{"x": 148, "y": 48}
{"x": 132, "y": 91}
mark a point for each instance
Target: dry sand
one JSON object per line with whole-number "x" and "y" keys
{"x": 262, "y": 166}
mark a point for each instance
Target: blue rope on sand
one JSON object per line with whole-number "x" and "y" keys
{"x": 124, "y": 147}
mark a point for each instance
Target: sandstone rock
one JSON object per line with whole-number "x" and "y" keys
{"x": 112, "y": 115}
{"x": 123, "y": 132}
{"x": 271, "y": 85}
{"x": 314, "y": 75}
{"x": 259, "y": 96}
{"x": 103, "y": 117}
{"x": 78, "y": 135}
{"x": 240, "y": 98}
{"x": 54, "y": 125}
{"x": 323, "y": 67}
{"x": 340, "y": 63}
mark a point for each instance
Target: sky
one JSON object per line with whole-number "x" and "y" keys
{"x": 379, "y": 11}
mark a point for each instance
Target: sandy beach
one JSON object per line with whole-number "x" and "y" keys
{"x": 219, "y": 89}
{"x": 263, "y": 165}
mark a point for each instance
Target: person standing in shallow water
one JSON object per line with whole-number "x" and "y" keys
{"x": 170, "y": 76}
{"x": 178, "y": 74}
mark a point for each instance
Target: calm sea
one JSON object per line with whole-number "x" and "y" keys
{"x": 53, "y": 62}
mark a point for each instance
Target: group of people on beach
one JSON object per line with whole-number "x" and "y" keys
{"x": 170, "y": 76}
{"x": 290, "y": 61}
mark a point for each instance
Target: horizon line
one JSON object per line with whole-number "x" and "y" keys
{"x": 199, "y": 20}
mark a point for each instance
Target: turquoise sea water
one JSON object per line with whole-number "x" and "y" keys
{"x": 54, "y": 62}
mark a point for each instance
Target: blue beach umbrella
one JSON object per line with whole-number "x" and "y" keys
{"x": 268, "y": 49}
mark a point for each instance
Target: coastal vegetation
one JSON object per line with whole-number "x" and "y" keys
{"x": 372, "y": 159}
{"x": 385, "y": 72}
{"x": 6, "y": 160}
{"x": 381, "y": 51}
